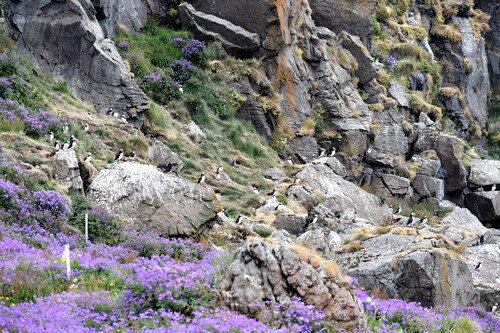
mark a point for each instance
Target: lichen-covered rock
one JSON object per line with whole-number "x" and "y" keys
{"x": 366, "y": 65}
{"x": 306, "y": 148}
{"x": 165, "y": 203}
{"x": 195, "y": 132}
{"x": 263, "y": 273}
{"x": 294, "y": 224}
{"x": 160, "y": 154}
{"x": 72, "y": 47}
{"x": 67, "y": 171}
{"x": 319, "y": 179}
{"x": 434, "y": 277}
{"x": 321, "y": 239}
{"x": 207, "y": 26}
{"x": 450, "y": 152}
{"x": 132, "y": 14}
{"x": 426, "y": 186}
{"x": 275, "y": 174}
{"x": 355, "y": 17}
{"x": 484, "y": 172}
{"x": 485, "y": 205}
{"x": 430, "y": 275}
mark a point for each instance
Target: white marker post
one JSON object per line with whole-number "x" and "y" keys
{"x": 68, "y": 264}
{"x": 87, "y": 227}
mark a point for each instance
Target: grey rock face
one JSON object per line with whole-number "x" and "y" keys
{"x": 262, "y": 272}
{"x": 462, "y": 225}
{"x": 492, "y": 39}
{"x": 207, "y": 26}
{"x": 274, "y": 174}
{"x": 72, "y": 47}
{"x": 67, "y": 172}
{"x": 165, "y": 203}
{"x": 426, "y": 186}
{"x": 484, "y": 172}
{"x": 351, "y": 16}
{"x": 434, "y": 277}
{"x": 484, "y": 205}
{"x": 195, "y": 132}
{"x": 366, "y": 66}
{"x": 477, "y": 83}
{"x": 486, "y": 280}
{"x": 305, "y": 147}
{"x": 342, "y": 195}
{"x": 160, "y": 154}
{"x": 450, "y": 151}
{"x": 321, "y": 239}
{"x": 294, "y": 224}
{"x": 130, "y": 13}
{"x": 397, "y": 91}
{"x": 426, "y": 166}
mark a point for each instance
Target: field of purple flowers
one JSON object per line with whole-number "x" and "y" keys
{"x": 124, "y": 280}
{"x": 145, "y": 282}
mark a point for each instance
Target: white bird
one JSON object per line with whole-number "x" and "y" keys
{"x": 479, "y": 265}
{"x": 180, "y": 89}
{"x": 323, "y": 152}
{"x": 218, "y": 173}
{"x": 86, "y": 128}
{"x": 66, "y": 145}
{"x": 239, "y": 219}
{"x": 51, "y": 136}
{"x": 256, "y": 190}
{"x": 494, "y": 308}
{"x": 332, "y": 153}
{"x": 119, "y": 156}
{"x": 131, "y": 156}
{"x": 280, "y": 206}
{"x": 398, "y": 210}
{"x": 57, "y": 145}
{"x": 423, "y": 220}
{"x": 116, "y": 114}
{"x": 89, "y": 115}
{"x": 88, "y": 158}
{"x": 315, "y": 219}
{"x": 296, "y": 180}
{"x": 123, "y": 119}
{"x": 289, "y": 161}
{"x": 65, "y": 129}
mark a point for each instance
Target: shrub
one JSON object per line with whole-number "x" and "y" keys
{"x": 103, "y": 227}
{"x": 182, "y": 70}
{"x": 160, "y": 86}
{"x": 61, "y": 86}
{"x": 198, "y": 110}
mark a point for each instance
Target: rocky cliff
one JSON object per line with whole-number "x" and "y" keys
{"x": 65, "y": 40}
{"x": 375, "y": 109}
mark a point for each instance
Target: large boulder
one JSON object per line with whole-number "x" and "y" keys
{"x": 67, "y": 171}
{"x": 462, "y": 226}
{"x": 341, "y": 195}
{"x": 355, "y": 17}
{"x": 165, "y": 203}
{"x": 366, "y": 65}
{"x": 450, "y": 151}
{"x": 160, "y": 154}
{"x": 263, "y": 274}
{"x": 484, "y": 172}
{"x": 71, "y": 46}
{"x": 234, "y": 38}
{"x": 408, "y": 266}
{"x": 486, "y": 279}
{"x": 132, "y": 14}
{"x": 484, "y": 205}
{"x": 434, "y": 277}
